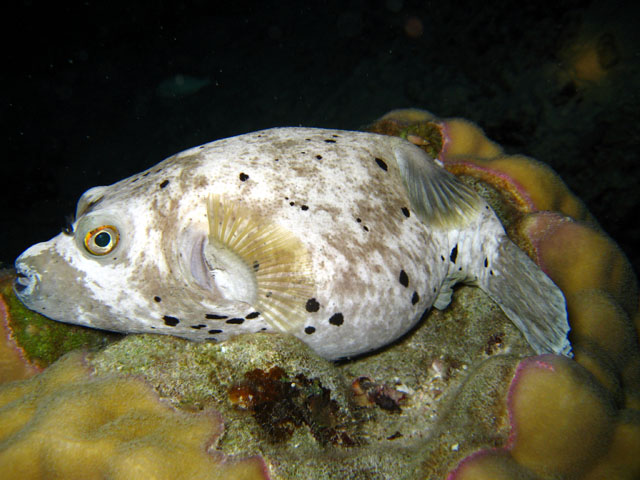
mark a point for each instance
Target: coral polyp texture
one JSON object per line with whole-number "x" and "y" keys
{"x": 67, "y": 423}
{"x": 462, "y": 396}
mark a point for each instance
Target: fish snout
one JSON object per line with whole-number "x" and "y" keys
{"x": 26, "y": 281}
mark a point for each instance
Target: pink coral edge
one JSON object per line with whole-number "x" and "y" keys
{"x": 444, "y": 158}
{"x": 11, "y": 342}
{"x": 539, "y": 361}
{"x": 469, "y": 458}
{"x": 552, "y": 221}
{"x": 495, "y": 173}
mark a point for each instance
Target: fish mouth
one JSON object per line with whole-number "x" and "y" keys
{"x": 26, "y": 280}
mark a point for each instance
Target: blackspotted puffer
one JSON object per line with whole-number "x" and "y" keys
{"x": 340, "y": 238}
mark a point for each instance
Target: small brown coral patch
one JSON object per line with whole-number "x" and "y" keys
{"x": 280, "y": 404}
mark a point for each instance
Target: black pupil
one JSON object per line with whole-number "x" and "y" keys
{"x": 102, "y": 239}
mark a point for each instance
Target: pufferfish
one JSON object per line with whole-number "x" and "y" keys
{"x": 342, "y": 239}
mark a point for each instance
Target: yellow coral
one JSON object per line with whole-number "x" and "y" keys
{"x": 562, "y": 420}
{"x": 622, "y": 460}
{"x": 490, "y": 465}
{"x": 463, "y": 138}
{"x": 65, "y": 423}
{"x": 531, "y": 185}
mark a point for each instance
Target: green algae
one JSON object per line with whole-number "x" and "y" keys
{"x": 42, "y": 340}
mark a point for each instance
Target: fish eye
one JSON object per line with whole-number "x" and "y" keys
{"x": 101, "y": 240}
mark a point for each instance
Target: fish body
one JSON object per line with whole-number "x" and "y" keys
{"x": 340, "y": 238}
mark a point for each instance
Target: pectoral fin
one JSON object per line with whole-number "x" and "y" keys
{"x": 258, "y": 262}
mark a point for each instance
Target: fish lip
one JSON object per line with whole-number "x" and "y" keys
{"x": 26, "y": 281}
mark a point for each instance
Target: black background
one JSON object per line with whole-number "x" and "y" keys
{"x": 80, "y": 103}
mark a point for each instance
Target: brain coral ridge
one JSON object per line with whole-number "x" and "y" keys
{"x": 67, "y": 423}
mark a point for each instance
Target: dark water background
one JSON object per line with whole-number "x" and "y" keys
{"x": 85, "y": 97}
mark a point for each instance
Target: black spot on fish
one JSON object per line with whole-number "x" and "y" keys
{"x": 235, "y": 321}
{"x": 164, "y": 184}
{"x": 365, "y": 228}
{"x": 415, "y": 298}
{"x": 292, "y": 203}
{"x": 198, "y": 327}
{"x": 359, "y": 220}
{"x": 381, "y": 164}
{"x": 252, "y": 315}
{"x": 336, "y": 319}
{"x": 213, "y": 339}
{"x": 157, "y": 299}
{"x": 454, "y": 254}
{"x": 404, "y": 278}
{"x": 170, "y": 321}
{"x": 214, "y": 331}
{"x": 312, "y": 305}
{"x": 490, "y": 272}
{"x": 319, "y": 157}
{"x": 201, "y": 147}
{"x": 304, "y": 207}
{"x": 243, "y": 177}
{"x": 256, "y": 265}
{"x": 486, "y": 262}
{"x": 309, "y": 330}
{"x": 328, "y": 140}
{"x": 405, "y": 212}
{"x": 442, "y": 257}
{"x": 213, "y": 316}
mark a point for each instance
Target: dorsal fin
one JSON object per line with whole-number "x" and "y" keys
{"x": 437, "y": 196}
{"x": 277, "y": 259}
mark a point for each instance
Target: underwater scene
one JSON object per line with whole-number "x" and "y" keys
{"x": 320, "y": 240}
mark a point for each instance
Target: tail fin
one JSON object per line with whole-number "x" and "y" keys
{"x": 529, "y": 298}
